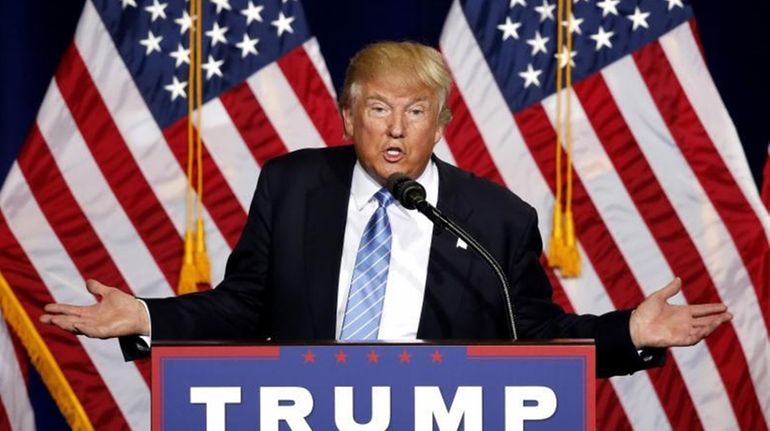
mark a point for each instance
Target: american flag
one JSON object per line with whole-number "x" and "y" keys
{"x": 662, "y": 187}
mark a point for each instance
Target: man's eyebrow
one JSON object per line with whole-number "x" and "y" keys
{"x": 385, "y": 100}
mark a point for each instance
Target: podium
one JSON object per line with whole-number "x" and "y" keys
{"x": 395, "y": 386}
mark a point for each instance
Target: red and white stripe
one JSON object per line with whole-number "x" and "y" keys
{"x": 15, "y": 408}
{"x": 653, "y": 198}
{"x": 99, "y": 192}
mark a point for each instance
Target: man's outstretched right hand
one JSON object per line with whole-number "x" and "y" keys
{"x": 116, "y": 314}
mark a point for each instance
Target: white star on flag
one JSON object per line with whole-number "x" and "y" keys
{"x": 608, "y": 7}
{"x": 639, "y": 19}
{"x": 672, "y": 3}
{"x": 247, "y": 46}
{"x": 545, "y": 10}
{"x": 519, "y": 2}
{"x": 176, "y": 89}
{"x": 125, "y": 3}
{"x": 152, "y": 42}
{"x": 530, "y": 76}
{"x": 573, "y": 24}
{"x": 157, "y": 10}
{"x": 185, "y": 22}
{"x": 221, "y": 4}
{"x": 562, "y": 57}
{"x": 217, "y": 34}
{"x": 602, "y": 38}
{"x": 181, "y": 55}
{"x": 252, "y": 13}
{"x": 212, "y": 67}
{"x": 509, "y": 29}
{"x": 283, "y": 23}
{"x": 538, "y": 43}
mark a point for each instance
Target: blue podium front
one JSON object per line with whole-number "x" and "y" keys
{"x": 380, "y": 386}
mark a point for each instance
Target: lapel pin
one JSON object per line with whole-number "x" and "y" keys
{"x": 461, "y": 244}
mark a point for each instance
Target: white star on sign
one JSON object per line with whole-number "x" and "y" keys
{"x": 252, "y": 13}
{"x": 247, "y": 46}
{"x": 212, "y": 67}
{"x": 608, "y": 7}
{"x": 562, "y": 57}
{"x": 181, "y": 55}
{"x": 515, "y": 2}
{"x": 185, "y": 22}
{"x": 530, "y": 76}
{"x": 602, "y": 38}
{"x": 545, "y": 11}
{"x": 152, "y": 43}
{"x": 217, "y": 34}
{"x": 157, "y": 10}
{"x": 509, "y": 29}
{"x": 573, "y": 24}
{"x": 672, "y": 3}
{"x": 538, "y": 43}
{"x": 176, "y": 89}
{"x": 221, "y": 4}
{"x": 639, "y": 18}
{"x": 125, "y": 3}
{"x": 283, "y": 23}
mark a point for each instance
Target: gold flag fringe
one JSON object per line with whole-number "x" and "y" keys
{"x": 43, "y": 359}
{"x": 562, "y": 250}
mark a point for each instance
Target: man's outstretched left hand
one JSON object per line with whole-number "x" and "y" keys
{"x": 656, "y": 323}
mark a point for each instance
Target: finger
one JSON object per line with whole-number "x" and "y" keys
{"x": 671, "y": 289}
{"x": 64, "y": 309}
{"x": 96, "y": 287}
{"x": 712, "y": 320}
{"x": 700, "y": 310}
{"x": 68, "y": 323}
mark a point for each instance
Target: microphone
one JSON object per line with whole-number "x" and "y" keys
{"x": 406, "y": 190}
{"x": 411, "y": 195}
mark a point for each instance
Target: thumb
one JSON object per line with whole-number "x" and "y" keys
{"x": 671, "y": 289}
{"x": 96, "y": 288}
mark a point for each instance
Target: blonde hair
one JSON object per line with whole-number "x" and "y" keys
{"x": 408, "y": 63}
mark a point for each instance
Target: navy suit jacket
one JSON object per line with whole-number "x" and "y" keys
{"x": 281, "y": 278}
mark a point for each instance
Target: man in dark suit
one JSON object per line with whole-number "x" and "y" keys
{"x": 298, "y": 261}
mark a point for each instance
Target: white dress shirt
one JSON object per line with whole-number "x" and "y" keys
{"x": 410, "y": 250}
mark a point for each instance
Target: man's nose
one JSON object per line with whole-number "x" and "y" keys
{"x": 396, "y": 127}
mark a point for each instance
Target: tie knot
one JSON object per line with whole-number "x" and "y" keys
{"x": 384, "y": 198}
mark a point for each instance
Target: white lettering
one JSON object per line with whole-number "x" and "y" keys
{"x": 343, "y": 409}
{"x": 215, "y": 398}
{"x": 429, "y": 405}
{"x": 271, "y": 412}
{"x": 516, "y": 412}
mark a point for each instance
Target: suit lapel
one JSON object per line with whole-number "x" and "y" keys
{"x": 325, "y": 220}
{"x": 449, "y": 265}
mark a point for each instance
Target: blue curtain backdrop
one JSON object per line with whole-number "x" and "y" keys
{"x": 34, "y": 33}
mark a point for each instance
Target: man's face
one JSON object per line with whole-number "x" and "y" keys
{"x": 394, "y": 129}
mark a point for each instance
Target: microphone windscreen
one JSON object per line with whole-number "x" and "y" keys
{"x": 406, "y": 190}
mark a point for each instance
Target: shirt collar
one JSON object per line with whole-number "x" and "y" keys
{"x": 364, "y": 187}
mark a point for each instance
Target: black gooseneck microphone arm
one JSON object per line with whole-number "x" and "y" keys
{"x": 412, "y": 196}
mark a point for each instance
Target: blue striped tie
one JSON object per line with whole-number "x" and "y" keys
{"x": 370, "y": 275}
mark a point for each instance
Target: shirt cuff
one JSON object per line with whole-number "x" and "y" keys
{"x": 147, "y": 338}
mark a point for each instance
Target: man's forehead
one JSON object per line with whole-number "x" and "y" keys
{"x": 397, "y": 92}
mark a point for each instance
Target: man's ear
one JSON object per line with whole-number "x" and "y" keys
{"x": 347, "y": 122}
{"x": 438, "y": 135}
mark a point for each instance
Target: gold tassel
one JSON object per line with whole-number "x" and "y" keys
{"x": 570, "y": 264}
{"x": 188, "y": 276}
{"x": 43, "y": 359}
{"x": 202, "y": 264}
{"x": 556, "y": 242}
